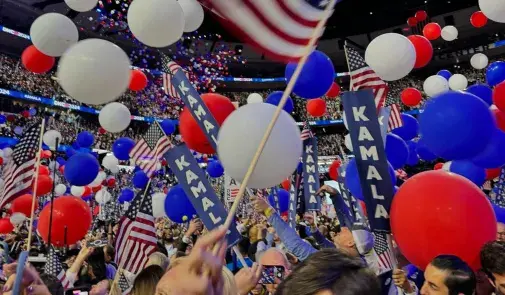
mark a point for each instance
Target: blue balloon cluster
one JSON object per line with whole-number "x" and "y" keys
{"x": 413, "y": 158}
{"x": 81, "y": 169}
{"x": 483, "y": 92}
{"x": 85, "y": 139}
{"x": 3, "y": 119}
{"x": 282, "y": 198}
{"x": 423, "y": 151}
{"x": 140, "y": 179}
{"x": 495, "y": 73}
{"x": 492, "y": 156}
{"x": 168, "y": 126}
{"x": 215, "y": 169}
{"x": 445, "y": 73}
{"x": 121, "y": 147}
{"x": 410, "y": 128}
{"x": 352, "y": 181}
{"x": 178, "y": 205}
{"x": 126, "y": 195}
{"x": 316, "y": 76}
{"x": 275, "y": 97}
{"x": 470, "y": 171}
{"x": 397, "y": 151}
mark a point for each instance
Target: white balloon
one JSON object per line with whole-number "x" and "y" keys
{"x": 458, "y": 82}
{"x": 53, "y": 165}
{"x": 110, "y": 161}
{"x": 1, "y": 153}
{"x": 94, "y": 71}
{"x": 193, "y": 14}
{"x": 156, "y": 23}
{"x": 50, "y": 137}
{"x": 348, "y": 142}
{"x": 479, "y": 61}
{"x": 254, "y": 98}
{"x": 435, "y": 85}
{"x": 447, "y": 166}
{"x": 159, "y": 205}
{"x": 493, "y": 9}
{"x": 17, "y": 218}
{"x": 53, "y": 33}
{"x": 114, "y": 117}
{"x": 60, "y": 189}
{"x": 81, "y": 5}
{"x": 77, "y": 191}
{"x": 103, "y": 196}
{"x": 240, "y": 135}
{"x": 392, "y": 56}
{"x": 450, "y": 33}
{"x": 7, "y": 152}
{"x": 114, "y": 170}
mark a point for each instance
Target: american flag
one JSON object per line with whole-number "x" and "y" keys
{"x": 150, "y": 148}
{"x": 281, "y": 29}
{"x": 19, "y": 172}
{"x": 169, "y": 69}
{"x": 363, "y": 77}
{"x": 381, "y": 247}
{"x": 53, "y": 267}
{"x": 136, "y": 235}
{"x": 395, "y": 117}
{"x": 124, "y": 285}
{"x": 306, "y": 131}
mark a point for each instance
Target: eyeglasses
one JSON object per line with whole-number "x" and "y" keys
{"x": 501, "y": 233}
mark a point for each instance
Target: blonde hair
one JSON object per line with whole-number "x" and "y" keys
{"x": 158, "y": 258}
{"x": 253, "y": 234}
{"x": 229, "y": 284}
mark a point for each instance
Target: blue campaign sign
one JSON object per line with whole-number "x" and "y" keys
{"x": 293, "y": 197}
{"x": 199, "y": 191}
{"x": 373, "y": 169}
{"x": 311, "y": 175}
{"x": 198, "y": 109}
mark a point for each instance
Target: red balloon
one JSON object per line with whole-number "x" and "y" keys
{"x": 499, "y": 96}
{"x": 44, "y": 185}
{"x": 111, "y": 182}
{"x": 478, "y": 19}
{"x": 493, "y": 173}
{"x": 363, "y": 207}
{"x": 45, "y": 154}
{"x": 421, "y": 15}
{"x": 286, "y": 184}
{"x": 1, "y": 161}
{"x": 96, "y": 210}
{"x": 424, "y": 50}
{"x": 35, "y": 61}
{"x": 333, "y": 170}
{"x": 316, "y": 107}
{"x": 138, "y": 80}
{"x": 25, "y": 114}
{"x": 101, "y": 130}
{"x": 87, "y": 191}
{"x": 220, "y": 107}
{"x": 432, "y": 31}
{"x": 96, "y": 188}
{"x": 412, "y": 21}
{"x": 23, "y": 204}
{"x": 500, "y": 119}
{"x": 438, "y": 166}
{"x": 6, "y": 226}
{"x": 43, "y": 170}
{"x": 411, "y": 97}
{"x": 11, "y": 118}
{"x": 62, "y": 169}
{"x": 70, "y": 212}
{"x": 334, "y": 90}
{"x": 445, "y": 211}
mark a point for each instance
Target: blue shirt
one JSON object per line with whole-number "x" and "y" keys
{"x": 248, "y": 261}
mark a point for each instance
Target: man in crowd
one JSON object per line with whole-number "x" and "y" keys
{"x": 500, "y": 235}
{"x": 492, "y": 257}
{"x": 448, "y": 275}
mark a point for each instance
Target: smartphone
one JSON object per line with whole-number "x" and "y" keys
{"x": 272, "y": 274}
{"x": 96, "y": 243}
{"x": 77, "y": 292}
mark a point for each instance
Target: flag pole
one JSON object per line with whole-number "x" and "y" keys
{"x": 308, "y": 49}
{"x": 34, "y": 195}
{"x": 52, "y": 196}
{"x": 347, "y": 60}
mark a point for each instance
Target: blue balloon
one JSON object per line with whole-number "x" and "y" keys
{"x": 483, "y": 92}
{"x": 271, "y": 200}
{"x": 275, "y": 97}
{"x": 215, "y": 169}
{"x": 352, "y": 181}
{"x": 499, "y": 212}
{"x": 76, "y": 146}
{"x": 85, "y": 139}
{"x": 395, "y": 189}
{"x": 168, "y": 126}
{"x": 283, "y": 198}
{"x": 178, "y": 206}
{"x": 32, "y": 111}
{"x": 140, "y": 179}
{"x": 445, "y": 73}
{"x": 397, "y": 151}
{"x": 299, "y": 168}
{"x": 81, "y": 169}
{"x": 492, "y": 156}
{"x": 495, "y": 73}
{"x": 413, "y": 158}
{"x": 456, "y": 125}
{"x": 126, "y": 195}
{"x": 60, "y": 160}
{"x": 423, "y": 151}
{"x": 3, "y": 119}
{"x": 316, "y": 77}
{"x": 410, "y": 128}
{"x": 121, "y": 147}
{"x": 470, "y": 171}
{"x": 70, "y": 152}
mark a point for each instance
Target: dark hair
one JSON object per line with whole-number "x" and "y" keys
{"x": 147, "y": 279}
{"x": 330, "y": 269}
{"x": 461, "y": 279}
{"x": 97, "y": 262}
{"x": 52, "y": 283}
{"x": 110, "y": 251}
{"x": 492, "y": 258}
{"x": 243, "y": 246}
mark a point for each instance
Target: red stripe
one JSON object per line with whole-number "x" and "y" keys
{"x": 295, "y": 16}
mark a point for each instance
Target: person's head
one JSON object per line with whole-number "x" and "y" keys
{"x": 147, "y": 279}
{"x": 253, "y": 234}
{"x": 329, "y": 272}
{"x": 101, "y": 288}
{"x": 243, "y": 246}
{"x": 355, "y": 243}
{"x": 500, "y": 234}
{"x": 96, "y": 266}
{"x": 52, "y": 283}
{"x": 492, "y": 258}
{"x": 448, "y": 275}
{"x": 109, "y": 253}
{"x": 274, "y": 257}
{"x": 158, "y": 258}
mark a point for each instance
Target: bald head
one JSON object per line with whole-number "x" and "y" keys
{"x": 274, "y": 256}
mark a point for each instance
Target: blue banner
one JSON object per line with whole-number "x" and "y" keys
{"x": 199, "y": 191}
{"x": 198, "y": 109}
{"x": 370, "y": 156}
{"x": 300, "y": 206}
{"x": 274, "y": 192}
{"x": 311, "y": 175}
{"x": 293, "y": 197}
{"x": 384, "y": 114}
